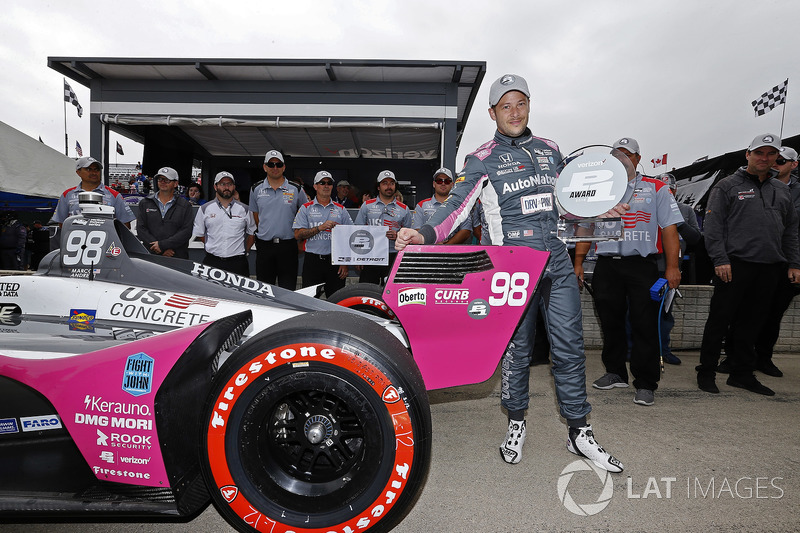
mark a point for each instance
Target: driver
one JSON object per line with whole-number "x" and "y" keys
{"x": 514, "y": 176}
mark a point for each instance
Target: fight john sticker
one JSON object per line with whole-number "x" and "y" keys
{"x": 138, "y": 376}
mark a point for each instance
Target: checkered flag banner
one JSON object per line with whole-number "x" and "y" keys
{"x": 69, "y": 96}
{"x": 771, "y": 99}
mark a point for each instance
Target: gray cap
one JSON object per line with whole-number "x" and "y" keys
{"x": 84, "y": 162}
{"x": 343, "y": 183}
{"x": 222, "y": 175}
{"x": 788, "y": 153}
{"x": 168, "y": 173}
{"x": 445, "y": 171}
{"x": 274, "y": 153}
{"x": 321, "y": 175}
{"x": 386, "y": 174}
{"x": 629, "y": 144}
{"x": 506, "y": 83}
{"x": 669, "y": 179}
{"x": 765, "y": 139}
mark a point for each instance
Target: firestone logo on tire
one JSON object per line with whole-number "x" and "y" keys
{"x": 586, "y": 509}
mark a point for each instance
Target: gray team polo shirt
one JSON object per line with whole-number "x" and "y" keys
{"x": 276, "y": 209}
{"x": 313, "y": 214}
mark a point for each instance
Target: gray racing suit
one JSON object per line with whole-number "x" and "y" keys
{"x": 514, "y": 179}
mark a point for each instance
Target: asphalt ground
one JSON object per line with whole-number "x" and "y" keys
{"x": 693, "y": 462}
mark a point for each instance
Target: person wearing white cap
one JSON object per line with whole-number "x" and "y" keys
{"x": 751, "y": 232}
{"x": 164, "y": 220}
{"x": 386, "y": 211}
{"x": 514, "y": 175}
{"x": 625, "y": 271}
{"x": 274, "y": 203}
{"x": 314, "y": 222}
{"x": 226, "y": 227}
{"x": 786, "y": 291}
{"x": 90, "y": 171}
{"x": 442, "y": 185}
{"x": 343, "y": 194}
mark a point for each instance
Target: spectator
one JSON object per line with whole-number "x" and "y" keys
{"x": 13, "y": 237}
{"x": 484, "y": 176}
{"x": 89, "y": 170}
{"x": 164, "y": 221}
{"x": 442, "y": 185}
{"x": 343, "y": 194}
{"x": 195, "y": 194}
{"x": 750, "y": 230}
{"x": 623, "y": 275}
{"x": 388, "y": 212}
{"x": 226, "y": 227}
{"x": 274, "y": 203}
{"x": 314, "y": 222}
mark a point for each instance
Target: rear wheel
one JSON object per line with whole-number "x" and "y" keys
{"x": 319, "y": 423}
{"x": 365, "y": 297}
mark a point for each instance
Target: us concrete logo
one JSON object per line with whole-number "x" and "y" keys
{"x": 605, "y": 488}
{"x": 361, "y": 242}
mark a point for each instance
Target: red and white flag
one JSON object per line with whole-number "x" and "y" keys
{"x": 659, "y": 161}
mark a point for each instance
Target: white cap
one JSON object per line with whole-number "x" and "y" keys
{"x": 386, "y": 174}
{"x": 343, "y": 183}
{"x": 445, "y": 171}
{"x": 274, "y": 153}
{"x": 321, "y": 175}
{"x": 788, "y": 153}
{"x": 84, "y": 162}
{"x": 222, "y": 175}
{"x": 168, "y": 173}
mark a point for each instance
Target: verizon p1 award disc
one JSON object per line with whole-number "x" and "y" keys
{"x": 594, "y": 182}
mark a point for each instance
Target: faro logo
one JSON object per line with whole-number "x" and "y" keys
{"x": 362, "y": 242}
{"x": 585, "y": 509}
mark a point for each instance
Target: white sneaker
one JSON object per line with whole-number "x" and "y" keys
{"x": 581, "y": 442}
{"x": 511, "y": 448}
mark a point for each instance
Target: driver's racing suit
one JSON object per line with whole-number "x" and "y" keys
{"x": 514, "y": 179}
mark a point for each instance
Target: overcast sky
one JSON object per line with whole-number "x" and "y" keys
{"x": 677, "y": 75}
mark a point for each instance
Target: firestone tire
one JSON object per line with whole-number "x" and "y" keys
{"x": 365, "y": 297}
{"x": 318, "y": 424}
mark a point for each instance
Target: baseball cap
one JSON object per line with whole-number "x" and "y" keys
{"x": 84, "y": 162}
{"x": 168, "y": 173}
{"x": 343, "y": 183}
{"x": 322, "y": 174}
{"x": 765, "y": 139}
{"x": 788, "y": 153}
{"x": 506, "y": 83}
{"x": 445, "y": 171}
{"x": 274, "y": 153}
{"x": 629, "y": 144}
{"x": 669, "y": 179}
{"x": 386, "y": 174}
{"x": 222, "y": 175}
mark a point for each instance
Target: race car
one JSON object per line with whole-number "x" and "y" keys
{"x": 136, "y": 385}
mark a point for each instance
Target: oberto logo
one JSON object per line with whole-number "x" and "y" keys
{"x": 586, "y": 509}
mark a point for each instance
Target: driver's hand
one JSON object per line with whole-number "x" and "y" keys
{"x": 616, "y": 211}
{"x": 407, "y": 236}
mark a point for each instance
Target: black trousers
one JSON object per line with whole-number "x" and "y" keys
{"x": 236, "y": 264}
{"x": 622, "y": 286}
{"x": 276, "y": 262}
{"x": 738, "y": 309}
{"x": 318, "y": 269}
{"x": 376, "y": 273}
{"x": 771, "y": 330}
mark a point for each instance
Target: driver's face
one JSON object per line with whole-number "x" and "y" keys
{"x": 511, "y": 114}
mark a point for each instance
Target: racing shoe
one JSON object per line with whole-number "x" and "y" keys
{"x": 581, "y": 442}
{"x": 511, "y": 448}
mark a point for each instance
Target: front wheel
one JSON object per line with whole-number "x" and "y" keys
{"x": 365, "y": 297}
{"x": 319, "y": 423}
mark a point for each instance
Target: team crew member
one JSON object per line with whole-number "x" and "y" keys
{"x": 751, "y": 229}
{"x": 313, "y": 223}
{"x": 385, "y": 211}
{"x": 442, "y": 185}
{"x": 90, "y": 170}
{"x": 226, "y": 227}
{"x": 623, "y": 275}
{"x": 164, "y": 221}
{"x": 510, "y": 222}
{"x": 274, "y": 203}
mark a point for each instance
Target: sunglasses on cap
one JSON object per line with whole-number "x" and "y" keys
{"x": 325, "y": 182}
{"x": 270, "y": 164}
{"x": 781, "y": 161}
{"x": 447, "y": 181}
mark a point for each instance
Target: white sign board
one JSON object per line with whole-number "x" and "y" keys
{"x": 359, "y": 245}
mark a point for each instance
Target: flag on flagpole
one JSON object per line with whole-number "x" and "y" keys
{"x": 69, "y": 96}
{"x": 659, "y": 161}
{"x": 78, "y": 149}
{"x": 119, "y": 149}
{"x": 771, "y": 99}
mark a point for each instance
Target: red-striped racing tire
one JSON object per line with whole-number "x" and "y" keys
{"x": 364, "y": 297}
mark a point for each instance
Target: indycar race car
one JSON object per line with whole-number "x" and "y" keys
{"x": 137, "y": 385}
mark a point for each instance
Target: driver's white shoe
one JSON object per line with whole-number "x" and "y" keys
{"x": 511, "y": 448}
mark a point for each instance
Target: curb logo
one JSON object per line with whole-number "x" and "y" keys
{"x": 586, "y": 509}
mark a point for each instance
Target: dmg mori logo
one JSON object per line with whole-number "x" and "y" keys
{"x": 361, "y": 242}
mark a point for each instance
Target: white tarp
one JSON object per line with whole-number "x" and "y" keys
{"x": 30, "y": 167}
